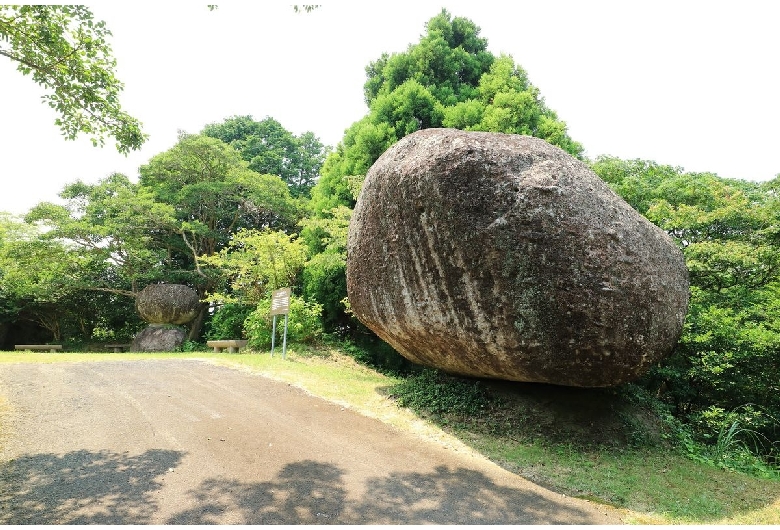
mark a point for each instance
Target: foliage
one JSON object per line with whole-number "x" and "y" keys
{"x": 433, "y": 392}
{"x": 727, "y": 357}
{"x": 116, "y": 236}
{"x": 34, "y": 275}
{"x": 271, "y": 149}
{"x": 255, "y": 263}
{"x": 369, "y": 350}
{"x": 304, "y": 323}
{"x": 67, "y": 52}
{"x": 324, "y": 274}
{"x": 227, "y": 322}
{"x": 214, "y": 195}
{"x": 448, "y": 79}
{"x": 112, "y": 223}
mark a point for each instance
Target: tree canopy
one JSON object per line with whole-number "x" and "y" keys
{"x": 448, "y": 79}
{"x": 725, "y": 366}
{"x": 271, "y": 149}
{"x": 67, "y": 52}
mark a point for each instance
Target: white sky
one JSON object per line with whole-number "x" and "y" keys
{"x": 687, "y": 83}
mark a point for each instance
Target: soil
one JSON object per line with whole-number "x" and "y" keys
{"x": 188, "y": 442}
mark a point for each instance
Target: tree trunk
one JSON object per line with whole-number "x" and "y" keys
{"x": 197, "y": 323}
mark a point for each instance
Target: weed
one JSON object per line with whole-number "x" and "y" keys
{"x": 433, "y": 392}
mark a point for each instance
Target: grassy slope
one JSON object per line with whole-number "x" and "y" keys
{"x": 527, "y": 434}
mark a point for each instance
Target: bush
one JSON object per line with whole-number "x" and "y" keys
{"x": 304, "y": 323}
{"x": 435, "y": 393}
{"x": 325, "y": 280}
{"x": 228, "y": 322}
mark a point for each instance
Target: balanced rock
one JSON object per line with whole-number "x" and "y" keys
{"x": 166, "y": 303}
{"x": 502, "y": 256}
{"x": 164, "y": 306}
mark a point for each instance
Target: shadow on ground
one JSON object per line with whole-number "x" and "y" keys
{"x": 310, "y": 492}
{"x": 83, "y": 487}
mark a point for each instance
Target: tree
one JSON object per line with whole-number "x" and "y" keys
{"x": 726, "y": 365}
{"x": 324, "y": 274}
{"x": 37, "y": 275}
{"x": 271, "y": 149}
{"x": 255, "y": 262}
{"x": 113, "y": 222}
{"x": 67, "y": 52}
{"x": 448, "y": 79}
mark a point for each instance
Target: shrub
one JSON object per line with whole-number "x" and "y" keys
{"x": 304, "y": 323}
{"x": 370, "y": 350}
{"x": 433, "y": 392}
{"x": 228, "y": 322}
{"x": 324, "y": 280}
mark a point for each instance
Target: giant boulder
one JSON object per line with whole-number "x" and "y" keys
{"x": 501, "y": 256}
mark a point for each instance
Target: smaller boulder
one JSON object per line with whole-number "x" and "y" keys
{"x": 165, "y": 303}
{"x": 158, "y": 338}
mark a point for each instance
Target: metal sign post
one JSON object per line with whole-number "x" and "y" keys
{"x": 280, "y": 305}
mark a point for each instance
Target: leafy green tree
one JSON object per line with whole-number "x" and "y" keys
{"x": 37, "y": 275}
{"x": 114, "y": 224}
{"x": 189, "y": 203}
{"x": 214, "y": 195}
{"x": 448, "y": 79}
{"x": 450, "y": 59}
{"x": 725, "y": 367}
{"x": 324, "y": 274}
{"x": 271, "y": 149}
{"x": 67, "y": 52}
{"x": 255, "y": 263}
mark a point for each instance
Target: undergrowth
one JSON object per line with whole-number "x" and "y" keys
{"x": 626, "y": 418}
{"x": 433, "y": 392}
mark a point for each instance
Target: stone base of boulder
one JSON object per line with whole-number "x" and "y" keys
{"x": 158, "y": 338}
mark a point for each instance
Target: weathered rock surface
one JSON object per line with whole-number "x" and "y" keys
{"x": 156, "y": 337}
{"x": 502, "y": 256}
{"x": 166, "y": 303}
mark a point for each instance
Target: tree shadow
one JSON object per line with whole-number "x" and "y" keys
{"x": 305, "y": 492}
{"x": 83, "y": 487}
{"x": 310, "y": 492}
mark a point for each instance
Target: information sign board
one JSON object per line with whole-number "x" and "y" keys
{"x": 280, "y": 301}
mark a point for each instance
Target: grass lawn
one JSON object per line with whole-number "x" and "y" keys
{"x": 650, "y": 485}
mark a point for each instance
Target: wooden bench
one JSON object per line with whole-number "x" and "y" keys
{"x": 50, "y": 347}
{"x": 233, "y": 346}
{"x": 118, "y": 348}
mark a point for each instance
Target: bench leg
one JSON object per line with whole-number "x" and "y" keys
{"x": 232, "y": 349}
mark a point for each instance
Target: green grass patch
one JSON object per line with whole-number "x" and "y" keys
{"x": 655, "y": 485}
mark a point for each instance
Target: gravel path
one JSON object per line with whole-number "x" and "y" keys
{"x": 188, "y": 442}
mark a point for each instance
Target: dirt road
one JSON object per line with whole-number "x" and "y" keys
{"x": 188, "y": 442}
